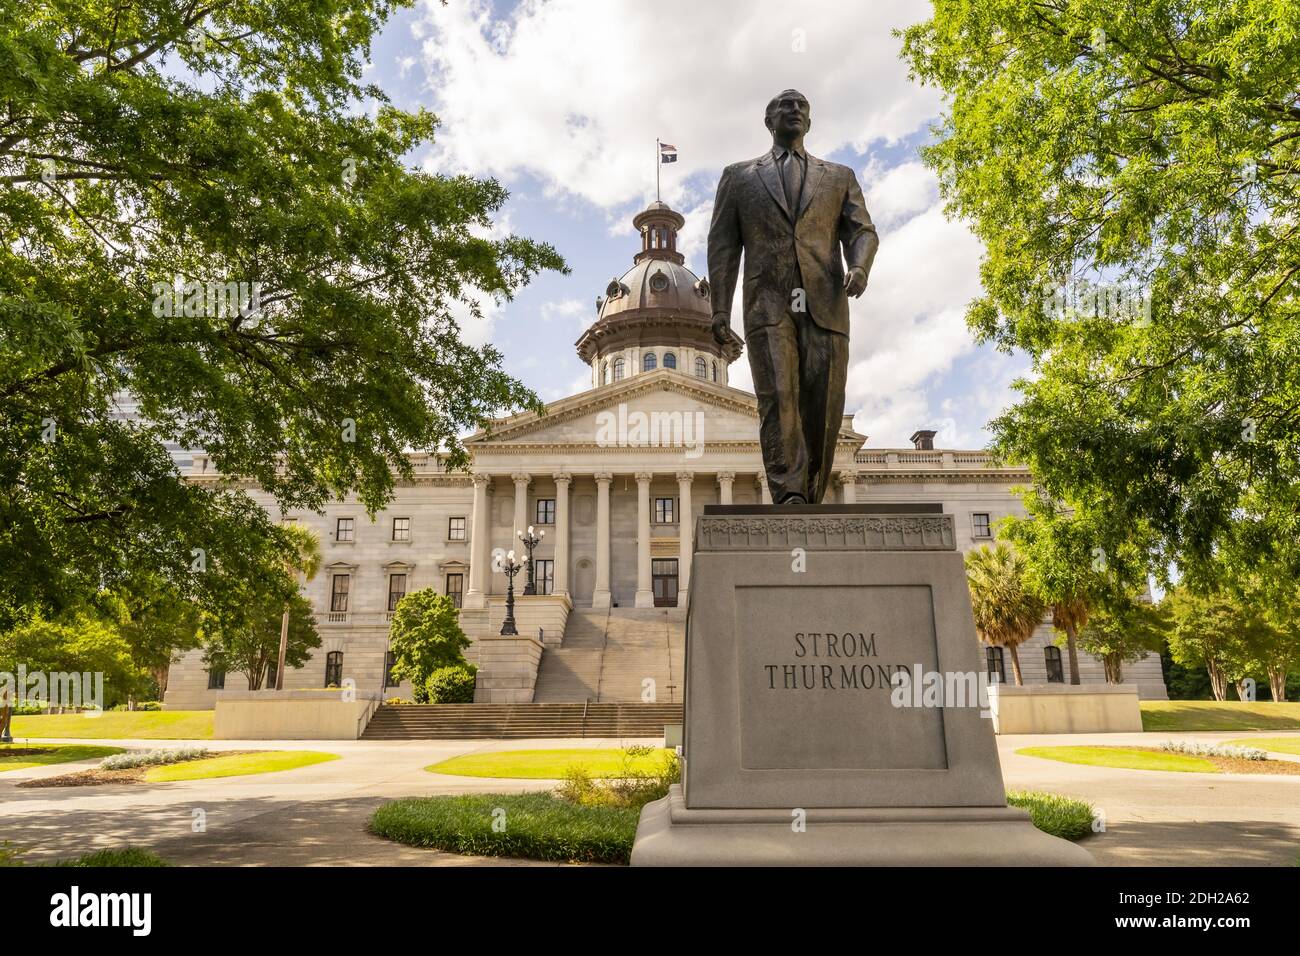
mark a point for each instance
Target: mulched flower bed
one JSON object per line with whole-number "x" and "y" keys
{"x": 97, "y": 777}
{"x": 1237, "y": 764}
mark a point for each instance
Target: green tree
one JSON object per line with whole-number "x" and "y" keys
{"x": 1270, "y": 645}
{"x": 198, "y": 210}
{"x": 158, "y": 624}
{"x": 424, "y": 637}
{"x": 80, "y": 642}
{"x": 1006, "y": 609}
{"x": 1123, "y": 630}
{"x": 248, "y": 640}
{"x": 1207, "y": 632}
{"x": 1150, "y": 146}
{"x": 303, "y": 566}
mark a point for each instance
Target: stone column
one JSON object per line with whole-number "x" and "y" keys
{"x": 763, "y": 489}
{"x": 848, "y": 487}
{"x": 562, "y": 480}
{"x": 600, "y": 597}
{"x": 480, "y": 536}
{"x": 725, "y": 478}
{"x": 645, "y": 595}
{"x": 521, "y": 480}
{"x": 685, "y": 535}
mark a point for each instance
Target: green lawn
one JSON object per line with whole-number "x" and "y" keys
{"x": 532, "y": 826}
{"x": 57, "y": 753}
{"x": 1279, "y": 745}
{"x": 237, "y": 765}
{"x": 1123, "y": 758}
{"x": 11, "y": 856}
{"x": 1164, "y": 715}
{"x": 131, "y": 856}
{"x": 542, "y": 826}
{"x": 546, "y": 764}
{"x": 139, "y": 724}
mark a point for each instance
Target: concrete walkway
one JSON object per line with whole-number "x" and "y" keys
{"x": 315, "y": 816}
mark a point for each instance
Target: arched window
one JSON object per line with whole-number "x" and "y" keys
{"x": 701, "y": 368}
{"x": 670, "y": 360}
{"x": 334, "y": 669}
{"x": 1055, "y": 672}
{"x": 619, "y": 365}
{"x": 715, "y": 371}
{"x": 604, "y": 373}
{"x": 996, "y": 668}
{"x": 648, "y": 363}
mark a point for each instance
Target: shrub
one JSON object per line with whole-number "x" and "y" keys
{"x": 451, "y": 685}
{"x": 152, "y": 758}
{"x": 534, "y": 826}
{"x": 631, "y": 788}
{"x": 1063, "y": 817}
{"x": 425, "y": 635}
{"x": 1213, "y": 750}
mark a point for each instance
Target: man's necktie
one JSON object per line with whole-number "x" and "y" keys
{"x": 792, "y": 179}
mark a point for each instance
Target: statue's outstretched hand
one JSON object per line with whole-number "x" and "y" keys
{"x": 855, "y": 283}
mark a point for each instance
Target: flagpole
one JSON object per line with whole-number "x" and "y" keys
{"x": 658, "y": 162}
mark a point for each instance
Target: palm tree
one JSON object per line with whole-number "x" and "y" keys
{"x": 1069, "y": 615}
{"x": 1006, "y": 610}
{"x": 304, "y": 564}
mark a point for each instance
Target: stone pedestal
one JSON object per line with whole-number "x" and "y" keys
{"x": 802, "y": 747}
{"x": 507, "y": 669}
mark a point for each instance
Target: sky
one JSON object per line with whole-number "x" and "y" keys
{"x": 562, "y": 102}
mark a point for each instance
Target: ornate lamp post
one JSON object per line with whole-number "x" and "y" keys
{"x": 531, "y": 541}
{"x": 509, "y": 567}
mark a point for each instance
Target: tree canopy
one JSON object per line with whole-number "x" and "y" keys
{"x": 1131, "y": 168}
{"x": 199, "y": 211}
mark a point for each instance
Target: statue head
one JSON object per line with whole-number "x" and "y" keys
{"x": 788, "y": 116}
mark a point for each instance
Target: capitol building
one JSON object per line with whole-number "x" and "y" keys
{"x": 615, "y": 477}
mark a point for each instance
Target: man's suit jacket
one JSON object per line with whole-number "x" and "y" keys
{"x": 784, "y": 250}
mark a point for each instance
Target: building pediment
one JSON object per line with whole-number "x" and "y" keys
{"x": 642, "y": 409}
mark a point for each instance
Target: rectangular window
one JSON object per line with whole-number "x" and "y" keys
{"x": 996, "y": 668}
{"x": 664, "y": 511}
{"x": 1055, "y": 672}
{"x": 544, "y": 575}
{"x": 545, "y": 511}
{"x": 456, "y": 529}
{"x": 216, "y": 679}
{"x": 455, "y": 587}
{"x": 343, "y": 530}
{"x": 389, "y": 660}
{"x": 339, "y": 593}
{"x": 980, "y": 523}
{"x": 396, "y": 590}
{"x": 334, "y": 669}
{"x": 401, "y": 529}
{"x": 269, "y": 683}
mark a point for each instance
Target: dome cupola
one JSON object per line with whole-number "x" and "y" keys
{"x": 657, "y": 314}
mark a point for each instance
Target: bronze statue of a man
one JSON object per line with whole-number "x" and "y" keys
{"x": 792, "y": 214}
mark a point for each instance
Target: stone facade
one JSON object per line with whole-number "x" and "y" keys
{"x": 616, "y": 476}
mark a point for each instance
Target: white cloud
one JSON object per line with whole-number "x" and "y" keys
{"x": 572, "y": 94}
{"x": 909, "y": 328}
{"x": 895, "y": 194}
{"x": 477, "y": 331}
{"x": 576, "y": 92}
{"x": 573, "y": 312}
